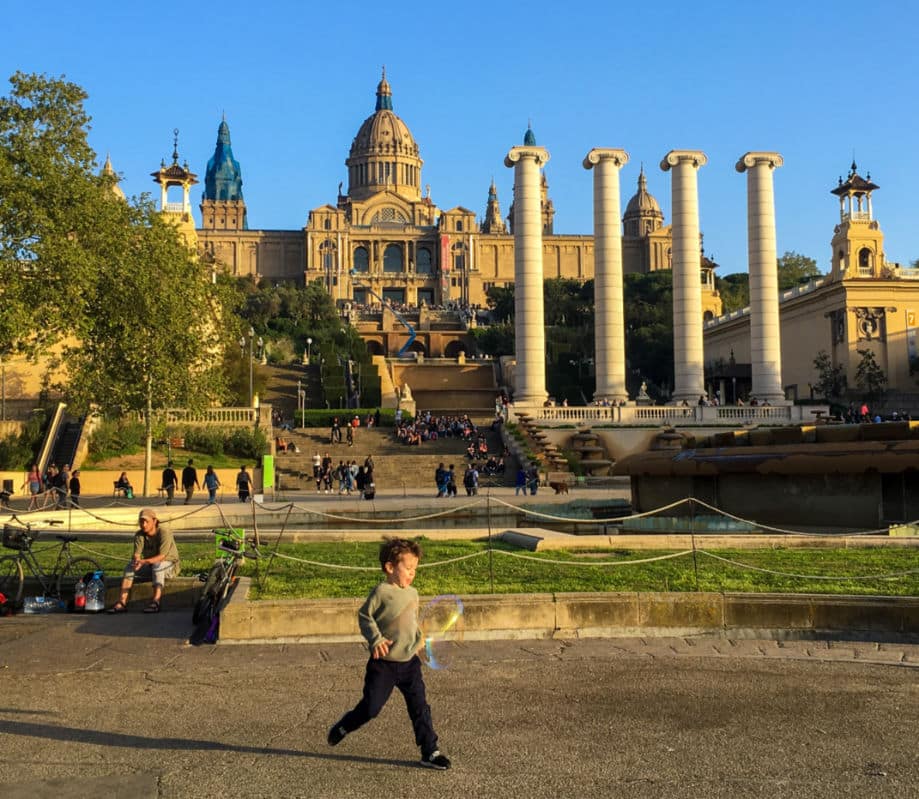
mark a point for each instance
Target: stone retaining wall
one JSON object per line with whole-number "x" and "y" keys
{"x": 567, "y": 615}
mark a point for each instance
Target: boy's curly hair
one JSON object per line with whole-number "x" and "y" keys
{"x": 392, "y": 550}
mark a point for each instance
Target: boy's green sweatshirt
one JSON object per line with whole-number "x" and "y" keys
{"x": 392, "y": 612}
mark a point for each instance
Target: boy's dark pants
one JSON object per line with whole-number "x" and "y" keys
{"x": 381, "y": 677}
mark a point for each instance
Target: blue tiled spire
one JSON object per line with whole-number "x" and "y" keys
{"x": 223, "y": 180}
{"x": 384, "y": 94}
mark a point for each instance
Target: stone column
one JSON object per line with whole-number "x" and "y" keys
{"x": 688, "y": 367}
{"x": 529, "y": 324}
{"x": 609, "y": 324}
{"x": 765, "y": 339}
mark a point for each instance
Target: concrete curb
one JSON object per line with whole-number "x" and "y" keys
{"x": 572, "y": 615}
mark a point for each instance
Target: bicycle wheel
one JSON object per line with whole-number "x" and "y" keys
{"x": 211, "y": 594}
{"x": 73, "y": 571}
{"x": 11, "y": 578}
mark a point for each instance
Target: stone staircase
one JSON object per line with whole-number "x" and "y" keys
{"x": 395, "y": 465}
{"x": 547, "y": 454}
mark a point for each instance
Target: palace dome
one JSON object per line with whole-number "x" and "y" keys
{"x": 383, "y": 132}
{"x": 384, "y": 156}
{"x": 642, "y": 202}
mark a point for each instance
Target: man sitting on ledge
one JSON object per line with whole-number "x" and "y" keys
{"x": 155, "y": 558}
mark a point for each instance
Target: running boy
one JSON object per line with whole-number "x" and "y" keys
{"x": 389, "y": 622}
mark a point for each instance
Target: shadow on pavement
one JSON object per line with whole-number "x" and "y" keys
{"x": 101, "y": 738}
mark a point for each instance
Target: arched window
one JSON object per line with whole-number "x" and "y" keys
{"x": 392, "y": 258}
{"x": 361, "y": 259}
{"x": 864, "y": 258}
{"x": 459, "y": 225}
{"x": 423, "y": 261}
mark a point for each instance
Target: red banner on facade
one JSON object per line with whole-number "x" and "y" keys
{"x": 445, "y": 262}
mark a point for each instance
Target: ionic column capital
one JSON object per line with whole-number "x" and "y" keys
{"x": 619, "y": 157}
{"x": 538, "y": 154}
{"x": 675, "y": 157}
{"x": 752, "y": 159}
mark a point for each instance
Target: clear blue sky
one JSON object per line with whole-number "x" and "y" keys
{"x": 817, "y": 81}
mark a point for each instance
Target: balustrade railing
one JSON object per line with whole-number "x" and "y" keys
{"x": 643, "y": 415}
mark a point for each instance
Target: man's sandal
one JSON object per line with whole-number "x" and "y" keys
{"x": 153, "y": 607}
{"x": 118, "y": 607}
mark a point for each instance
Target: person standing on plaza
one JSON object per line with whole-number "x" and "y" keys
{"x": 75, "y": 488}
{"x": 170, "y": 482}
{"x": 243, "y": 484}
{"x": 388, "y": 621}
{"x": 520, "y": 484}
{"x": 211, "y": 483}
{"x": 190, "y": 480}
{"x": 34, "y": 483}
{"x": 62, "y": 484}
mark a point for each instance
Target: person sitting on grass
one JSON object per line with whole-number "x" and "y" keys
{"x": 156, "y": 558}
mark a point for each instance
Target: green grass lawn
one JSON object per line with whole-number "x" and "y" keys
{"x": 509, "y": 570}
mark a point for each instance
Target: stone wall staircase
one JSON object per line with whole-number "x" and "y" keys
{"x": 396, "y": 466}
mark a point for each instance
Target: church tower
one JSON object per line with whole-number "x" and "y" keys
{"x": 858, "y": 243}
{"x": 493, "y": 222}
{"x": 222, "y": 204}
{"x": 175, "y": 176}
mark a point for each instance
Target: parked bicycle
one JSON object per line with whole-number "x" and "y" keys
{"x": 58, "y": 582}
{"x": 217, "y": 583}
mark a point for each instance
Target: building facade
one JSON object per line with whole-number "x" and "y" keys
{"x": 865, "y": 303}
{"x": 384, "y": 240}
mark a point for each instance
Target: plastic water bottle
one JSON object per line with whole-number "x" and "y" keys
{"x": 39, "y": 604}
{"x": 79, "y": 596}
{"x": 94, "y": 594}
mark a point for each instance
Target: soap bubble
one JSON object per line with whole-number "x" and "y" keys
{"x": 441, "y": 623}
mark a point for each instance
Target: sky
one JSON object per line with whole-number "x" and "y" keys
{"x": 820, "y": 82}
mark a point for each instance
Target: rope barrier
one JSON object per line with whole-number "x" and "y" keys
{"x": 782, "y": 530}
{"x": 568, "y": 520}
{"x": 595, "y": 564}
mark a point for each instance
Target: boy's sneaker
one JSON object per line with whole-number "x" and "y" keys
{"x": 435, "y": 760}
{"x": 336, "y": 734}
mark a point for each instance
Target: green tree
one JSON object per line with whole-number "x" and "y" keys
{"x": 831, "y": 380}
{"x": 649, "y": 331}
{"x": 795, "y": 269}
{"x": 52, "y": 212}
{"x": 495, "y": 340}
{"x": 734, "y": 291}
{"x": 501, "y": 302}
{"x": 156, "y": 326}
{"x": 870, "y": 378}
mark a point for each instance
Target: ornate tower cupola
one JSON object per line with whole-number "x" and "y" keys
{"x": 222, "y": 204}
{"x": 858, "y": 243}
{"x": 493, "y": 222}
{"x": 172, "y": 176}
{"x": 384, "y": 155}
{"x": 112, "y": 179}
{"x": 642, "y": 214}
{"x": 547, "y": 207}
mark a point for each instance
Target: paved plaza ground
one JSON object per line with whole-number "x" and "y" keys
{"x": 123, "y": 707}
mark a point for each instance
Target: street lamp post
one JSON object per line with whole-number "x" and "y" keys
{"x": 309, "y": 350}
{"x": 301, "y": 402}
{"x": 242, "y": 347}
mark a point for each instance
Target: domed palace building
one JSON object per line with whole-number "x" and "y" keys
{"x": 385, "y": 246}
